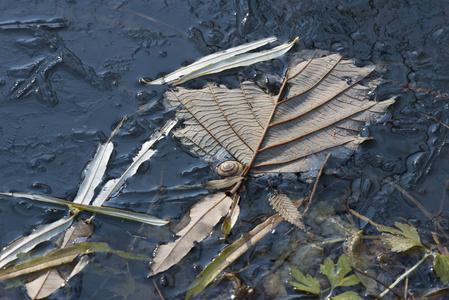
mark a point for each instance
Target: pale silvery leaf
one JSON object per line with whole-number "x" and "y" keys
{"x": 42, "y": 234}
{"x": 114, "y": 185}
{"x": 211, "y": 59}
{"x": 94, "y": 173}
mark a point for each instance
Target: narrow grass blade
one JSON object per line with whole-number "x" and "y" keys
{"x": 114, "y": 185}
{"x": 239, "y": 61}
{"x": 94, "y": 173}
{"x": 40, "y": 235}
{"x": 62, "y": 256}
{"x": 109, "y": 211}
{"x": 230, "y": 254}
{"x": 212, "y": 59}
{"x": 232, "y": 216}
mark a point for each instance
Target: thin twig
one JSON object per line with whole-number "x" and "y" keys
{"x": 319, "y": 175}
{"x": 157, "y": 289}
{"x": 315, "y": 184}
{"x": 419, "y": 205}
{"x": 436, "y": 120}
{"x": 405, "y": 275}
{"x": 406, "y": 287}
{"x": 362, "y": 217}
{"x": 442, "y": 198}
{"x": 378, "y": 281}
{"x": 440, "y": 247}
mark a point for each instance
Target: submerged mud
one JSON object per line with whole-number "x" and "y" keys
{"x": 70, "y": 72}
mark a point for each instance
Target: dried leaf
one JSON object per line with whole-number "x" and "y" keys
{"x": 232, "y": 216}
{"x": 441, "y": 267}
{"x": 239, "y": 61}
{"x": 230, "y": 254}
{"x": 42, "y": 234}
{"x": 285, "y": 207}
{"x": 52, "y": 280}
{"x": 222, "y": 183}
{"x": 62, "y": 256}
{"x": 109, "y": 211}
{"x": 307, "y": 284}
{"x": 320, "y": 109}
{"x": 400, "y": 240}
{"x": 94, "y": 173}
{"x": 212, "y": 59}
{"x": 49, "y": 282}
{"x": 217, "y": 62}
{"x": 199, "y": 221}
{"x": 354, "y": 251}
{"x": 76, "y": 234}
{"x": 114, "y": 185}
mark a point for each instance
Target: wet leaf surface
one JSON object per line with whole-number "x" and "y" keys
{"x": 401, "y": 240}
{"x": 305, "y": 283}
{"x": 441, "y": 266}
{"x": 194, "y": 227}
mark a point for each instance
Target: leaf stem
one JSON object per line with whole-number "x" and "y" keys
{"x": 330, "y": 294}
{"x": 405, "y": 274}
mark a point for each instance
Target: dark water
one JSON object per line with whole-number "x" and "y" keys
{"x": 70, "y": 73}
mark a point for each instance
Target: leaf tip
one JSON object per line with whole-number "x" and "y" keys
{"x": 142, "y": 80}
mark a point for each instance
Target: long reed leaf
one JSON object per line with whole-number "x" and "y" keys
{"x": 238, "y": 61}
{"x": 109, "y": 211}
{"x": 40, "y": 235}
{"x": 211, "y": 60}
{"x": 94, "y": 173}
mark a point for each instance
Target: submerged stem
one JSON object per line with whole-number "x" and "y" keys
{"x": 405, "y": 274}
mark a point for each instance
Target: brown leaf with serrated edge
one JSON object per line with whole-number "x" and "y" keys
{"x": 286, "y": 209}
{"x": 321, "y": 108}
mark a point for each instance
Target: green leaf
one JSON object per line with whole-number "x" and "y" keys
{"x": 398, "y": 243}
{"x": 350, "y": 280}
{"x": 400, "y": 240}
{"x": 349, "y": 295}
{"x": 337, "y": 278}
{"x": 343, "y": 267}
{"x": 327, "y": 268}
{"x": 307, "y": 283}
{"x": 408, "y": 231}
{"x": 441, "y": 267}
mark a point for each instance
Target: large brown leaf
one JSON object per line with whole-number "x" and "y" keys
{"x": 320, "y": 109}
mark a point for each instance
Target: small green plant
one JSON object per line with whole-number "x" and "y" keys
{"x": 336, "y": 274}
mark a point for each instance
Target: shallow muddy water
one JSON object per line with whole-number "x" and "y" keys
{"x": 70, "y": 72}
